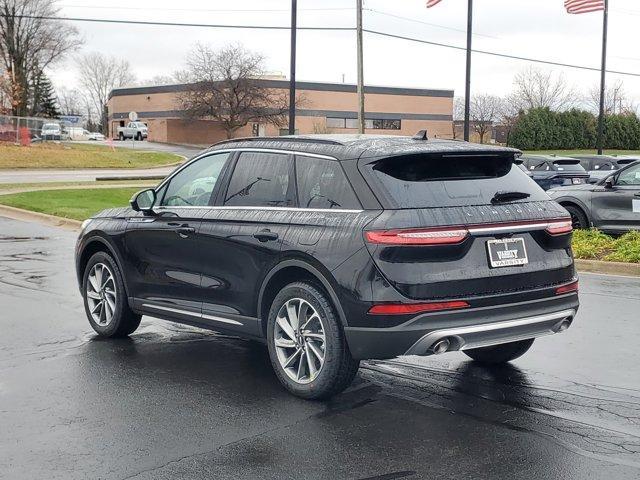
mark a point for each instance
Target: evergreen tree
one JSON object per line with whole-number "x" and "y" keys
{"x": 44, "y": 98}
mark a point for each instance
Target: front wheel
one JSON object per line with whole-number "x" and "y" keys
{"x": 500, "y": 353}
{"x": 578, "y": 217}
{"x": 307, "y": 347}
{"x": 105, "y": 299}
{"x": 121, "y": 137}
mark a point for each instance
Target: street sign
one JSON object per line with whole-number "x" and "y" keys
{"x": 133, "y": 116}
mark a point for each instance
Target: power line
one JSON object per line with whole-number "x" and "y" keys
{"x": 399, "y": 17}
{"x": 496, "y": 54}
{"x": 175, "y": 24}
{"x": 216, "y": 10}
{"x": 372, "y": 32}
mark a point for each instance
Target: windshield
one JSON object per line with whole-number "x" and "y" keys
{"x": 424, "y": 181}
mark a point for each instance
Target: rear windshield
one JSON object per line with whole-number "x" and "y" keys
{"x": 568, "y": 166}
{"x": 423, "y": 181}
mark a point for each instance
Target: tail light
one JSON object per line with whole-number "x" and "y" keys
{"x": 559, "y": 227}
{"x": 568, "y": 288}
{"x": 455, "y": 235}
{"x": 419, "y": 236}
{"x": 408, "y": 308}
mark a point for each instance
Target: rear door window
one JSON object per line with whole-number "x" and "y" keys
{"x": 426, "y": 180}
{"x": 260, "y": 180}
{"x": 322, "y": 184}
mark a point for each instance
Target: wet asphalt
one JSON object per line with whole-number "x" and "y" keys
{"x": 174, "y": 402}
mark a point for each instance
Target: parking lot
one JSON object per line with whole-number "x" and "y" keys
{"x": 177, "y": 402}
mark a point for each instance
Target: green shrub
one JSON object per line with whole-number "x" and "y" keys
{"x": 626, "y": 248}
{"x": 591, "y": 244}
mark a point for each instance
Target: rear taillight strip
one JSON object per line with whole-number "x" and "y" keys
{"x": 567, "y": 288}
{"x": 455, "y": 235}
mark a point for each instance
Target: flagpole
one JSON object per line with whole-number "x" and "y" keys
{"x": 292, "y": 67}
{"x": 467, "y": 90}
{"x": 605, "y": 14}
{"x": 360, "y": 88}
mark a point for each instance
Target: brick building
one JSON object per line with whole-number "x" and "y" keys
{"x": 328, "y": 108}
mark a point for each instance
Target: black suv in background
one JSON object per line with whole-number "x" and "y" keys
{"x": 333, "y": 249}
{"x": 550, "y": 171}
{"x": 601, "y": 166}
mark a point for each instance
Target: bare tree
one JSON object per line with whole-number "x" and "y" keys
{"x": 484, "y": 111}
{"x": 224, "y": 87}
{"x": 70, "y": 101}
{"x": 616, "y": 99}
{"x": 30, "y": 42}
{"x": 509, "y": 112}
{"x": 99, "y": 75}
{"x": 534, "y": 88}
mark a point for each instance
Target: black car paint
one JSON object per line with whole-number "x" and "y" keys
{"x": 218, "y": 274}
{"x": 607, "y": 207}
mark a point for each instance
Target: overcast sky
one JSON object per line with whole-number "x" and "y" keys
{"x": 530, "y": 28}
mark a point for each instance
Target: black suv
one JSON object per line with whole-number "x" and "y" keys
{"x": 333, "y": 249}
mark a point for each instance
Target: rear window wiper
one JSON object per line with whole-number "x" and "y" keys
{"x": 500, "y": 197}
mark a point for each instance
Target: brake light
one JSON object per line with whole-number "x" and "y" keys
{"x": 568, "y": 288}
{"x": 559, "y": 227}
{"x": 408, "y": 308}
{"x": 420, "y": 236}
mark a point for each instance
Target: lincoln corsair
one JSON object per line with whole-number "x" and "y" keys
{"x": 336, "y": 249}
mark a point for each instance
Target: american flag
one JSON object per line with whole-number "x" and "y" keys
{"x": 432, "y": 3}
{"x": 583, "y": 6}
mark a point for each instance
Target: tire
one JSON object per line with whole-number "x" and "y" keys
{"x": 139, "y": 136}
{"x": 500, "y": 353}
{"x": 122, "y": 321}
{"x": 578, "y": 218}
{"x": 121, "y": 137}
{"x": 337, "y": 369}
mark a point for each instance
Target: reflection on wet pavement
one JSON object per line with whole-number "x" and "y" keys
{"x": 177, "y": 402}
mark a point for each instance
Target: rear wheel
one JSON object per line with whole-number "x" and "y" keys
{"x": 121, "y": 136}
{"x": 139, "y": 137}
{"x": 105, "y": 299}
{"x": 307, "y": 347}
{"x": 578, "y": 217}
{"x": 500, "y": 353}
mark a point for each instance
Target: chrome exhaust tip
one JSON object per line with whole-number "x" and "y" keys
{"x": 441, "y": 346}
{"x": 564, "y": 325}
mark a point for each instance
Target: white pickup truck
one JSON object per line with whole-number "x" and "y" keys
{"x": 134, "y": 130}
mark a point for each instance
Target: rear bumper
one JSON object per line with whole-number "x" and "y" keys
{"x": 465, "y": 329}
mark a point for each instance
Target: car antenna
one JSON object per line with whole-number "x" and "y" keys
{"x": 421, "y": 135}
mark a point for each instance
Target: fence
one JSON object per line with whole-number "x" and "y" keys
{"x": 24, "y": 130}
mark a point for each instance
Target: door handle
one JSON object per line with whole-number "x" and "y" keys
{"x": 184, "y": 232}
{"x": 265, "y": 235}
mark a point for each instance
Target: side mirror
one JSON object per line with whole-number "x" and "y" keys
{"x": 143, "y": 201}
{"x": 608, "y": 182}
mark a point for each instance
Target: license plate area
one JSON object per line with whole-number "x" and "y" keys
{"x": 507, "y": 252}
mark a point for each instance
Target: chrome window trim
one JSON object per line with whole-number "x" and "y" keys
{"x": 508, "y": 228}
{"x": 192, "y": 314}
{"x": 273, "y": 209}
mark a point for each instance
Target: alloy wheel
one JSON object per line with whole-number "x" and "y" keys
{"x": 101, "y": 294}
{"x": 299, "y": 340}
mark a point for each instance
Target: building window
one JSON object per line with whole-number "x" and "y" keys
{"x": 369, "y": 123}
{"x": 336, "y": 122}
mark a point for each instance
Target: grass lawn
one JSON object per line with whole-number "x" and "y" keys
{"x": 57, "y": 155}
{"x": 582, "y": 152}
{"x": 78, "y": 204}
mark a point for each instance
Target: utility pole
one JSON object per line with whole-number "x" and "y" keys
{"x": 467, "y": 88}
{"x": 360, "y": 69}
{"x": 605, "y": 14}
{"x": 292, "y": 65}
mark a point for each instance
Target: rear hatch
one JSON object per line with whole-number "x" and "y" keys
{"x": 464, "y": 225}
{"x": 568, "y": 172}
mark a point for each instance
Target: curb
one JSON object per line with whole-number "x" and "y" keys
{"x": 29, "y": 216}
{"x": 608, "y": 268}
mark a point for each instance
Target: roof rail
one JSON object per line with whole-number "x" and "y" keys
{"x": 324, "y": 141}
